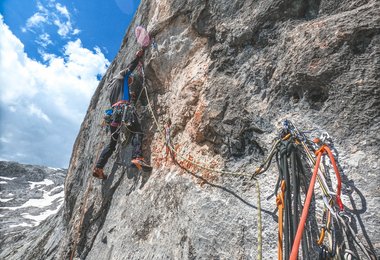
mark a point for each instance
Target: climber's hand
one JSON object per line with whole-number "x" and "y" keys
{"x": 140, "y": 53}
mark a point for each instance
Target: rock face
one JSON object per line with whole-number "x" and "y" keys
{"x": 226, "y": 73}
{"x": 29, "y": 194}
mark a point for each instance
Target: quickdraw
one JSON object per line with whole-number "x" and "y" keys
{"x": 289, "y": 142}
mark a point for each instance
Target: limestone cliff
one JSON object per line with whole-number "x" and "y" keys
{"x": 226, "y": 73}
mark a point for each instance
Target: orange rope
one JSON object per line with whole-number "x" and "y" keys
{"x": 321, "y": 236}
{"x": 280, "y": 205}
{"x": 301, "y": 226}
{"x": 339, "y": 184}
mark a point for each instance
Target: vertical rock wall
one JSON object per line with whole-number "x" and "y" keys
{"x": 226, "y": 73}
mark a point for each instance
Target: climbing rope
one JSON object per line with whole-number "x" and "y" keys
{"x": 259, "y": 224}
{"x": 289, "y": 200}
{"x": 302, "y": 139}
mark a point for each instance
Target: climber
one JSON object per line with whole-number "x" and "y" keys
{"x": 126, "y": 86}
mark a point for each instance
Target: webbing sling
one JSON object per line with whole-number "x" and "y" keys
{"x": 280, "y": 206}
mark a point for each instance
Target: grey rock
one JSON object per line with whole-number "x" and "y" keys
{"x": 226, "y": 73}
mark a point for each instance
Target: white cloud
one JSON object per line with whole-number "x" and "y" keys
{"x": 64, "y": 28}
{"x": 76, "y": 31}
{"x": 41, "y": 8}
{"x": 52, "y": 97}
{"x": 36, "y": 20}
{"x": 4, "y": 139}
{"x": 12, "y": 108}
{"x": 62, "y": 10}
{"x": 63, "y": 77}
{"x": 33, "y": 110}
{"x": 44, "y": 40}
{"x": 13, "y": 67}
{"x": 47, "y": 56}
{"x": 53, "y": 14}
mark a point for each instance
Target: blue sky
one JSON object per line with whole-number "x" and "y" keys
{"x": 52, "y": 55}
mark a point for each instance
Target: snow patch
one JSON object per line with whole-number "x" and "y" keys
{"x": 46, "y": 201}
{"x": 3, "y": 182}
{"x": 23, "y": 224}
{"x": 45, "y": 182}
{"x": 38, "y": 218}
{"x": 7, "y": 178}
{"x": 56, "y": 188}
{"x": 5, "y": 200}
{"x": 55, "y": 169}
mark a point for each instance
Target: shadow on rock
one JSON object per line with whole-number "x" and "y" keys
{"x": 205, "y": 181}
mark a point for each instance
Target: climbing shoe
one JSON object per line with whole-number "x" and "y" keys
{"x": 98, "y": 173}
{"x": 140, "y": 164}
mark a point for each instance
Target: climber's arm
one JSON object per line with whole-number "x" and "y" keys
{"x": 131, "y": 67}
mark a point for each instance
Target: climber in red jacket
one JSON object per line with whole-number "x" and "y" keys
{"x": 126, "y": 86}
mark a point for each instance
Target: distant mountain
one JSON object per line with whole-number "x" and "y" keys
{"x": 28, "y": 195}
